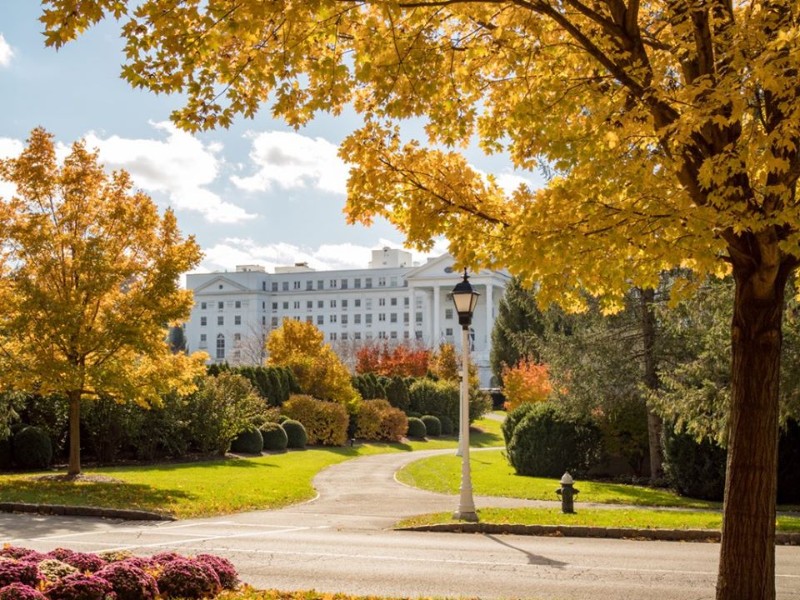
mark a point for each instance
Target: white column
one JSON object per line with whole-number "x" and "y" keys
{"x": 412, "y": 315}
{"x": 437, "y": 332}
{"x": 489, "y": 320}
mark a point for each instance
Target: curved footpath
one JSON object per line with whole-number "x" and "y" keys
{"x": 363, "y": 494}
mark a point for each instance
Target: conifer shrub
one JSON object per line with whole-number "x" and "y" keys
{"x": 249, "y": 441}
{"x": 325, "y": 422}
{"x": 694, "y": 469}
{"x": 32, "y": 448}
{"x": 275, "y": 438}
{"x": 296, "y": 436}
{"x": 416, "y": 428}
{"x": 129, "y": 582}
{"x": 547, "y": 443}
{"x": 513, "y": 419}
{"x": 20, "y": 591}
{"x": 397, "y": 393}
{"x": 446, "y": 423}
{"x": 433, "y": 426}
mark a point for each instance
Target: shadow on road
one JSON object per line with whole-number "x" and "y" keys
{"x": 533, "y": 559}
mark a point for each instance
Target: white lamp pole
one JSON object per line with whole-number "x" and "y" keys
{"x": 465, "y": 298}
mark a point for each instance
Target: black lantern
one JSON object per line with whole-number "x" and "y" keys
{"x": 466, "y": 299}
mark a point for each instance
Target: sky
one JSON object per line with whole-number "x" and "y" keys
{"x": 256, "y": 193}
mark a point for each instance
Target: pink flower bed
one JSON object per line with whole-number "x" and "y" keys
{"x": 67, "y": 575}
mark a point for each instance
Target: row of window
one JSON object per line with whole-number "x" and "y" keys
{"x": 333, "y": 284}
{"x": 221, "y": 305}
{"x": 344, "y": 303}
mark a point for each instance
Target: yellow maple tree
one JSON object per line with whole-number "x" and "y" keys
{"x": 669, "y": 131}
{"x": 89, "y": 283}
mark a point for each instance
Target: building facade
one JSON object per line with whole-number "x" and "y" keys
{"x": 391, "y": 301}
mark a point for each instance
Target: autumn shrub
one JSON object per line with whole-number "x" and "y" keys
{"x": 325, "y": 422}
{"x": 185, "y": 578}
{"x": 14, "y": 570}
{"x": 249, "y": 441}
{"x": 32, "y": 448}
{"x": 694, "y": 468}
{"x": 546, "y": 443}
{"x": 81, "y": 586}
{"x": 379, "y": 420}
{"x": 394, "y": 424}
{"x": 9, "y": 551}
{"x": 368, "y": 420}
{"x": 84, "y": 561}
{"x": 274, "y": 436}
{"x": 296, "y": 436}
{"x": 52, "y": 569}
{"x": 447, "y": 425}
{"x": 433, "y": 426}
{"x": 20, "y": 591}
{"x": 224, "y": 569}
{"x": 416, "y": 428}
{"x": 526, "y": 382}
{"x": 129, "y": 582}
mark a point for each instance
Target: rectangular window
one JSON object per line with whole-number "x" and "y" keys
{"x": 418, "y": 317}
{"x": 344, "y": 336}
{"x": 274, "y": 286}
{"x": 357, "y": 319}
{"x": 264, "y": 286}
{"x": 381, "y": 301}
{"x": 320, "y": 284}
{"x": 332, "y": 336}
{"x": 202, "y": 306}
{"x": 333, "y": 303}
{"x": 393, "y": 281}
{"x": 203, "y": 337}
{"x": 357, "y": 335}
{"x": 381, "y": 316}
{"x": 237, "y": 304}
{"x": 296, "y": 285}
{"x": 333, "y": 283}
{"x": 320, "y": 304}
{"x": 393, "y": 335}
{"x": 220, "y": 305}
{"x": 320, "y": 320}
{"x": 220, "y": 320}
{"x": 220, "y": 347}
{"x": 405, "y": 318}
{"x": 368, "y": 282}
{"x": 237, "y": 320}
{"x": 448, "y": 332}
{"x": 357, "y": 283}
{"x": 296, "y": 304}
{"x": 344, "y": 319}
{"x": 203, "y": 322}
{"x": 263, "y": 321}
{"x": 263, "y": 306}
{"x": 405, "y": 301}
{"x": 237, "y": 337}
{"x": 393, "y": 301}
{"x": 368, "y": 319}
{"x": 406, "y": 335}
{"x": 309, "y": 319}
{"x": 393, "y": 318}
{"x": 381, "y": 335}
{"x": 285, "y": 286}
{"x": 309, "y": 285}
{"x": 448, "y": 313}
{"x": 274, "y": 322}
{"x": 274, "y": 306}
{"x": 369, "y": 335}
{"x": 368, "y": 303}
{"x": 285, "y": 306}
{"x": 357, "y": 303}
{"x": 344, "y": 284}
{"x": 344, "y": 304}
{"x": 332, "y": 319}
{"x": 381, "y": 281}
{"x": 309, "y": 305}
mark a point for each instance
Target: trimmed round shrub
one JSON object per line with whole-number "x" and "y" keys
{"x": 547, "y": 443}
{"x": 446, "y": 424}
{"x": 129, "y": 581}
{"x": 186, "y": 578}
{"x": 249, "y": 441}
{"x": 79, "y": 586}
{"x": 32, "y": 448}
{"x": 162, "y": 558}
{"x": 282, "y": 419}
{"x": 52, "y": 569}
{"x": 224, "y": 569}
{"x": 326, "y": 422}
{"x": 296, "y": 435}
{"x": 61, "y": 553}
{"x": 12, "y": 570}
{"x": 20, "y": 591}
{"x": 416, "y": 428}
{"x": 85, "y": 562}
{"x": 694, "y": 469}
{"x": 514, "y": 418}
{"x": 275, "y": 438}
{"x": 433, "y": 426}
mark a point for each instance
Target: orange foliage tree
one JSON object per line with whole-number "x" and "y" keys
{"x": 526, "y": 382}
{"x": 403, "y": 360}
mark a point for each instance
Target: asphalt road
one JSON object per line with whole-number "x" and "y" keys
{"x": 341, "y": 543}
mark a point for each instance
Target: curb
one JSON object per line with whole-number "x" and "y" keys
{"x": 666, "y": 535}
{"x": 83, "y": 511}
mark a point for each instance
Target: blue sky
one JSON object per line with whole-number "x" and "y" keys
{"x": 258, "y": 192}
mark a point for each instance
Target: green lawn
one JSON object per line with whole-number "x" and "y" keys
{"x": 493, "y": 476}
{"x": 615, "y": 518}
{"x": 212, "y": 487}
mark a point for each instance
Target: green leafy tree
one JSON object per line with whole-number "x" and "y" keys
{"x": 669, "y": 130}
{"x": 89, "y": 279}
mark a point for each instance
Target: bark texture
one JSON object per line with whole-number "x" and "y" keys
{"x": 654, "y": 422}
{"x": 74, "y": 467}
{"x": 747, "y": 553}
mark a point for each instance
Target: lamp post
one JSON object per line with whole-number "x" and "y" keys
{"x": 465, "y": 298}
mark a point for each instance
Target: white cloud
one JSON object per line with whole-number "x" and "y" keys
{"x": 9, "y": 148}
{"x": 179, "y": 166}
{"x": 6, "y": 53}
{"x": 291, "y": 160}
{"x": 244, "y": 251}
{"x": 510, "y": 182}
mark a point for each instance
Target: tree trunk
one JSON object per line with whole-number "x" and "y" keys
{"x": 747, "y": 553}
{"x": 74, "y": 467}
{"x": 654, "y": 423}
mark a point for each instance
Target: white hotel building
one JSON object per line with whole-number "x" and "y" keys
{"x": 389, "y": 301}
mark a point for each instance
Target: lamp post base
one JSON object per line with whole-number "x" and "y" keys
{"x": 469, "y": 516}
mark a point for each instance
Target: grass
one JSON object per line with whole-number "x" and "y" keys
{"x": 493, "y": 476}
{"x": 603, "y": 517}
{"x": 184, "y": 490}
{"x": 250, "y": 594}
